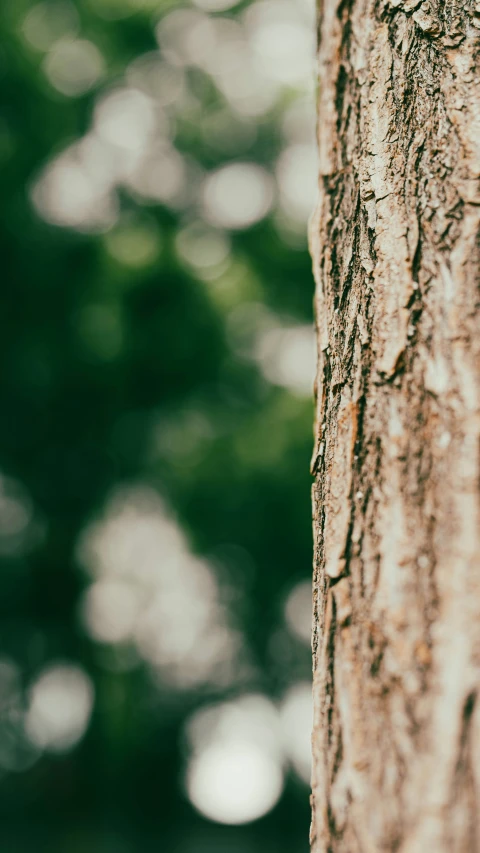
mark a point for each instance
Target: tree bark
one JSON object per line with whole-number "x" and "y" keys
{"x": 395, "y": 242}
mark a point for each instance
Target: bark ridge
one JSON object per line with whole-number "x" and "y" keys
{"x": 395, "y": 241}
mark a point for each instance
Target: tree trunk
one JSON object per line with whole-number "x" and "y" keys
{"x": 396, "y": 250}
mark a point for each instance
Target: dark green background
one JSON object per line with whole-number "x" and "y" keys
{"x": 76, "y": 422}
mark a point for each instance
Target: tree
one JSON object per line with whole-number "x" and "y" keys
{"x": 396, "y": 249}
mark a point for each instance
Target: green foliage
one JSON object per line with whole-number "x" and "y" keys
{"x": 146, "y": 351}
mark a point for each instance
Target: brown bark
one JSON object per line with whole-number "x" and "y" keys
{"x": 396, "y": 249}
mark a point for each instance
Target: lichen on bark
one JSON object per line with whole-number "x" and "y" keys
{"x": 395, "y": 241}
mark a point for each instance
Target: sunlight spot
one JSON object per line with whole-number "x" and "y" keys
{"x": 74, "y": 66}
{"x": 134, "y": 244}
{"x": 67, "y": 194}
{"x": 247, "y": 89}
{"x": 282, "y": 41}
{"x": 149, "y": 73}
{"x": 160, "y": 176}
{"x": 286, "y": 50}
{"x": 234, "y": 783}
{"x": 77, "y": 188}
{"x": 125, "y": 118}
{"x": 298, "y": 122}
{"x": 17, "y": 754}
{"x": 20, "y": 530}
{"x": 298, "y": 610}
{"x": 109, "y": 611}
{"x": 227, "y": 287}
{"x": 238, "y": 73}
{"x": 297, "y": 170}
{"x": 296, "y": 715}
{"x": 182, "y": 629}
{"x": 47, "y": 22}
{"x": 97, "y": 159}
{"x": 237, "y": 196}
{"x": 202, "y": 248}
{"x": 230, "y": 47}
{"x": 218, "y": 45}
{"x": 61, "y": 702}
{"x": 247, "y": 92}
{"x": 287, "y": 357}
{"x": 133, "y": 539}
{"x": 186, "y": 36}
{"x": 15, "y": 509}
{"x": 235, "y": 773}
{"x": 184, "y": 438}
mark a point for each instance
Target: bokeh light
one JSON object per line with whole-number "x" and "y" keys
{"x": 298, "y": 610}
{"x": 296, "y": 715}
{"x": 73, "y": 66}
{"x": 68, "y": 194}
{"x": 135, "y": 242}
{"x": 235, "y": 773}
{"x": 237, "y": 195}
{"x": 125, "y": 118}
{"x": 234, "y": 783}
{"x": 48, "y": 22}
{"x": 60, "y": 704}
{"x": 159, "y": 169}
{"x": 282, "y": 41}
{"x": 155, "y": 592}
{"x": 286, "y": 355}
{"x": 19, "y": 529}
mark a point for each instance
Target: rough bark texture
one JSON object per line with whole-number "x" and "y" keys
{"x": 396, "y": 249}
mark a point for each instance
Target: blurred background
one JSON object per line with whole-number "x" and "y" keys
{"x": 157, "y": 170}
